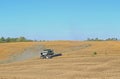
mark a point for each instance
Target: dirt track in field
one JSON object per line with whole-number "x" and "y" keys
{"x": 34, "y": 51}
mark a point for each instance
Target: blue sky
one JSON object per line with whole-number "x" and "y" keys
{"x": 60, "y": 19}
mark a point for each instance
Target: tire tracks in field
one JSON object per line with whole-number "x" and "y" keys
{"x": 75, "y": 48}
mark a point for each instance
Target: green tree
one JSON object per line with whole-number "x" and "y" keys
{"x": 21, "y": 39}
{"x": 8, "y": 39}
{"x": 2, "y": 40}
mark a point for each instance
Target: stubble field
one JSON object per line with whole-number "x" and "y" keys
{"x": 79, "y": 60}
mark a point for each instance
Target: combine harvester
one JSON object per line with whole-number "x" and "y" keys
{"x": 48, "y": 54}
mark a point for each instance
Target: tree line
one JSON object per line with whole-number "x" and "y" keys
{"x": 19, "y": 39}
{"x": 97, "y": 39}
{"x": 23, "y": 39}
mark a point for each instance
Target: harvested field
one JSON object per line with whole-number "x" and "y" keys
{"x": 79, "y": 60}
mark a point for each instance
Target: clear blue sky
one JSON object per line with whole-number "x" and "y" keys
{"x": 60, "y": 19}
